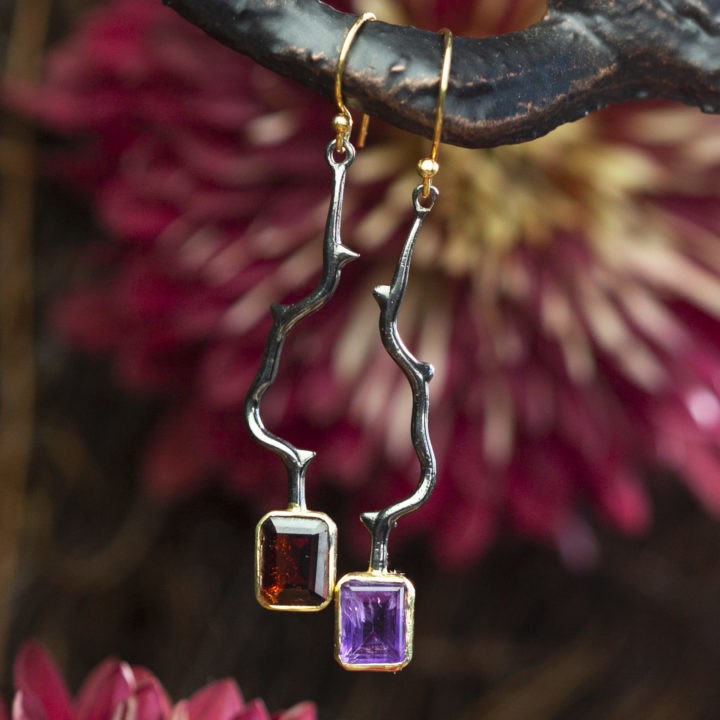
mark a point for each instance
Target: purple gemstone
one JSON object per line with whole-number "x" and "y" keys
{"x": 372, "y": 623}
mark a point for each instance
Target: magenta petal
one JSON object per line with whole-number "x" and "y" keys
{"x": 37, "y": 679}
{"x": 178, "y": 458}
{"x": 625, "y": 501}
{"x": 27, "y": 707}
{"x": 220, "y": 701}
{"x": 225, "y": 374}
{"x": 63, "y": 111}
{"x": 152, "y": 702}
{"x": 86, "y": 319}
{"x": 110, "y": 684}
{"x": 143, "y": 706}
{"x": 301, "y": 711}
{"x": 465, "y": 530}
{"x": 255, "y": 710}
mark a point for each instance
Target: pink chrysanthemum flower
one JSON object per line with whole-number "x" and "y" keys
{"x": 567, "y": 290}
{"x": 116, "y": 690}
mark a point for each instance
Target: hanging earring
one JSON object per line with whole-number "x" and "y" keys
{"x": 374, "y": 610}
{"x": 295, "y": 549}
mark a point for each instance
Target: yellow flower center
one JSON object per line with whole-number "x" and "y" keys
{"x": 491, "y": 200}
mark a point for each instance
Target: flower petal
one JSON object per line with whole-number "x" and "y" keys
{"x": 255, "y": 710}
{"x": 108, "y": 686}
{"x": 152, "y": 700}
{"x": 148, "y": 703}
{"x": 301, "y": 711}
{"x": 27, "y": 707}
{"x": 220, "y": 701}
{"x": 38, "y": 679}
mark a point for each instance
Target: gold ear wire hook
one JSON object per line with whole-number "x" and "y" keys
{"x": 342, "y": 122}
{"x": 428, "y": 167}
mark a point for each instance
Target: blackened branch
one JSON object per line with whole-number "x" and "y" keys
{"x": 584, "y": 55}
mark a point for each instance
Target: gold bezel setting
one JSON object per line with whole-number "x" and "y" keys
{"x": 375, "y": 578}
{"x": 296, "y": 514}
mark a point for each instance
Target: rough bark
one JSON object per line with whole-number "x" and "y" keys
{"x": 584, "y": 55}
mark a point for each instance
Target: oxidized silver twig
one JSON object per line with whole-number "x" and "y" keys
{"x": 419, "y": 374}
{"x": 374, "y": 610}
{"x": 374, "y": 616}
{"x": 296, "y": 549}
{"x": 335, "y": 256}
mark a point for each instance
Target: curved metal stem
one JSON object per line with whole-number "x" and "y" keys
{"x": 419, "y": 374}
{"x": 335, "y": 256}
{"x": 584, "y": 55}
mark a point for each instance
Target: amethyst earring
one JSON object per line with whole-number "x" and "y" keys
{"x": 296, "y": 548}
{"x": 374, "y": 610}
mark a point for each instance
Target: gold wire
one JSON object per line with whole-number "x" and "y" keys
{"x": 428, "y": 175}
{"x": 444, "y": 80}
{"x": 342, "y": 109}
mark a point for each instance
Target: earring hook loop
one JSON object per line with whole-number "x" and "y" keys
{"x": 342, "y": 122}
{"x": 428, "y": 167}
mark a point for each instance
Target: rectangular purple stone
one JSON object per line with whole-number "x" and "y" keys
{"x": 372, "y": 622}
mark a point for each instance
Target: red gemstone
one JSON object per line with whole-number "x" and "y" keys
{"x": 294, "y": 561}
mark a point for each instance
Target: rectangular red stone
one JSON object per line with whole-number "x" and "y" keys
{"x": 295, "y": 560}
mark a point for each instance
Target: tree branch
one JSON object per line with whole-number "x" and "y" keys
{"x": 584, "y": 55}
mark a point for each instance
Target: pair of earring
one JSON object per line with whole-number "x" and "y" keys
{"x": 296, "y": 548}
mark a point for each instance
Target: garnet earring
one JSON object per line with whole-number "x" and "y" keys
{"x": 374, "y": 610}
{"x": 296, "y": 548}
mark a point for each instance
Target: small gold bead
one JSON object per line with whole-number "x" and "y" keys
{"x": 427, "y": 168}
{"x": 341, "y": 124}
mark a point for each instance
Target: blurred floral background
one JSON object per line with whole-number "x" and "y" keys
{"x": 158, "y": 193}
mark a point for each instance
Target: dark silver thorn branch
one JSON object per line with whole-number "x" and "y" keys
{"x": 419, "y": 374}
{"x": 335, "y": 256}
